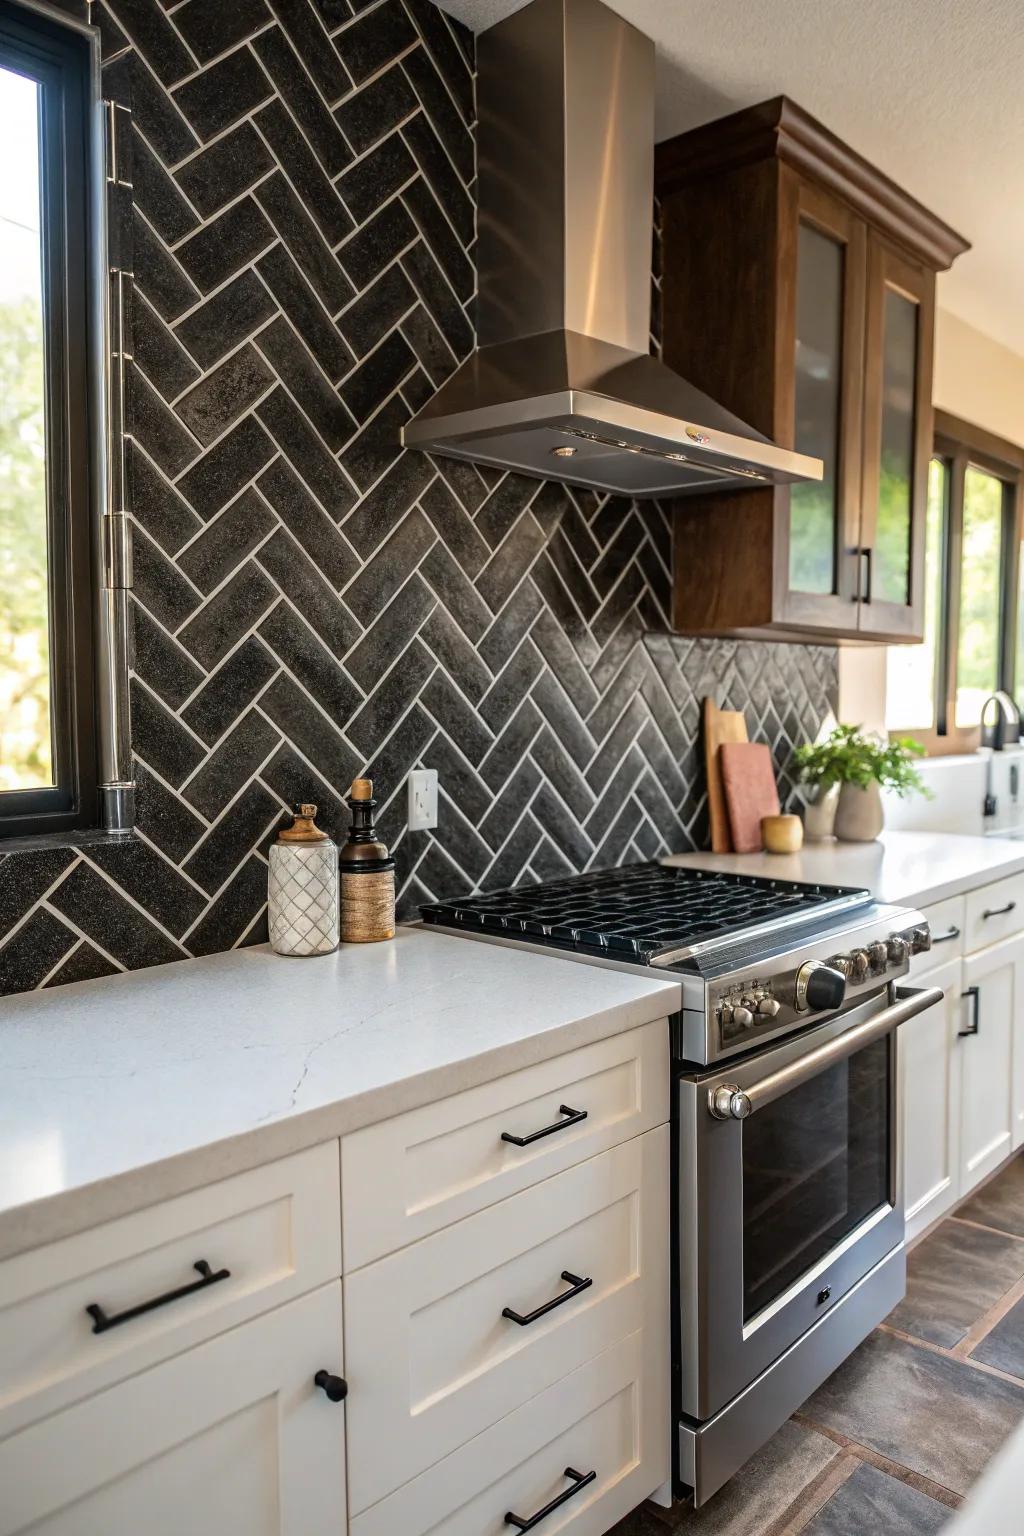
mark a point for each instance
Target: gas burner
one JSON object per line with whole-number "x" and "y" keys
{"x": 646, "y": 913}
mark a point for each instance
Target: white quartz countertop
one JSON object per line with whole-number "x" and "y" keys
{"x": 903, "y": 868}
{"x": 120, "y": 1092}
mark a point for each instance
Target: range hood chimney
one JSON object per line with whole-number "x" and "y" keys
{"x": 562, "y": 385}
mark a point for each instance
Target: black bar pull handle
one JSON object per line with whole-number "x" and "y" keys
{"x": 336, "y": 1387}
{"x": 944, "y": 938}
{"x": 577, "y": 1282}
{"x": 864, "y": 556}
{"x": 974, "y": 993}
{"x": 572, "y": 1117}
{"x": 579, "y": 1480}
{"x": 998, "y": 911}
{"x": 101, "y": 1321}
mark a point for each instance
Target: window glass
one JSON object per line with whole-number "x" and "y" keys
{"x": 912, "y": 671}
{"x": 26, "y": 754}
{"x": 819, "y": 330}
{"x": 891, "y": 576}
{"x": 977, "y": 673}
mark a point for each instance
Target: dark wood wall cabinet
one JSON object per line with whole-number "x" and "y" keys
{"x": 798, "y": 290}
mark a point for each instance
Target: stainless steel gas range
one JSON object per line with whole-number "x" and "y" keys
{"x": 788, "y": 1242}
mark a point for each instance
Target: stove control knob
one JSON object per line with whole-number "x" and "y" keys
{"x": 840, "y": 963}
{"x": 860, "y": 964}
{"x": 725, "y": 1013}
{"x": 897, "y": 949}
{"x": 879, "y": 955}
{"x": 818, "y": 987}
{"x": 921, "y": 940}
{"x": 767, "y": 1008}
{"x": 742, "y": 1016}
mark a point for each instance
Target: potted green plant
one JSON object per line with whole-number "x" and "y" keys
{"x": 858, "y": 766}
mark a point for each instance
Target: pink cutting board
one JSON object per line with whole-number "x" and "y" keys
{"x": 748, "y": 780}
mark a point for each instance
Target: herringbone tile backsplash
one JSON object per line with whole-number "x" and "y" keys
{"x": 311, "y": 603}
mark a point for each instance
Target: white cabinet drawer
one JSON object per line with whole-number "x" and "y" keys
{"x": 995, "y": 912}
{"x": 947, "y": 921}
{"x": 610, "y": 1417}
{"x": 232, "y": 1437}
{"x": 432, "y": 1357}
{"x": 407, "y": 1177}
{"x": 275, "y": 1230}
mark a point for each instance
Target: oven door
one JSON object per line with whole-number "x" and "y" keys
{"x": 789, "y": 1192}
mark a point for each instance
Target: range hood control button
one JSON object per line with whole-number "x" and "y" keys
{"x": 818, "y": 987}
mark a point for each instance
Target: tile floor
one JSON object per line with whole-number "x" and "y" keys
{"x": 892, "y": 1442}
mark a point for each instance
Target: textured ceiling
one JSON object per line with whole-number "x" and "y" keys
{"x": 928, "y": 90}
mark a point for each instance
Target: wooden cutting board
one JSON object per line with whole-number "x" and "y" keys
{"x": 748, "y": 780}
{"x": 720, "y": 725}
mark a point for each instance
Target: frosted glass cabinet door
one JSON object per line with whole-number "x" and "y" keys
{"x": 230, "y": 1438}
{"x": 897, "y": 442}
{"x": 828, "y": 246}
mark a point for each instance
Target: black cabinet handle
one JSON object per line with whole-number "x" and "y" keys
{"x": 101, "y": 1322}
{"x": 577, "y": 1282}
{"x": 336, "y": 1387}
{"x": 572, "y": 1117}
{"x": 944, "y": 938}
{"x": 579, "y": 1480}
{"x": 999, "y": 911}
{"x": 865, "y": 555}
{"x": 974, "y": 993}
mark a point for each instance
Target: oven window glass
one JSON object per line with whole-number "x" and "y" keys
{"x": 815, "y": 1165}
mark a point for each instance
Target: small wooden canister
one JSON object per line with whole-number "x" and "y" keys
{"x": 782, "y": 834}
{"x": 367, "y": 875}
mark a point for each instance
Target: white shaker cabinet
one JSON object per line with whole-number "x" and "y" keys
{"x": 930, "y": 1097}
{"x": 991, "y": 1058}
{"x": 231, "y": 1438}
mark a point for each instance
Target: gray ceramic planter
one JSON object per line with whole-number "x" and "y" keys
{"x": 859, "y": 813}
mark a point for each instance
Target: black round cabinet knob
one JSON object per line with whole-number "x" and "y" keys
{"x": 336, "y": 1387}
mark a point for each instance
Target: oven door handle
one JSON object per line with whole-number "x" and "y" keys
{"x": 729, "y": 1102}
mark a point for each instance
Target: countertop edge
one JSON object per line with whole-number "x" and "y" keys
{"x": 37, "y": 1223}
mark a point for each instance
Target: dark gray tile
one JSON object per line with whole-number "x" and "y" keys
{"x": 377, "y": 377}
{"x": 150, "y": 881}
{"x": 311, "y": 732}
{"x": 307, "y": 454}
{"x": 161, "y": 663}
{"x": 376, "y": 311}
{"x": 307, "y": 522}
{"x": 163, "y": 817}
{"x": 229, "y": 918}
{"x": 158, "y": 275}
{"x": 229, "y": 242}
{"x": 384, "y": 507}
{"x": 98, "y": 909}
{"x": 222, "y": 396}
{"x": 226, "y": 318}
{"x": 293, "y": 780}
{"x": 228, "y": 90}
{"x": 388, "y": 702}
{"x": 159, "y": 585}
{"x": 316, "y": 49}
{"x": 225, "y": 170}
{"x": 303, "y": 100}
{"x": 158, "y": 429}
{"x": 235, "y": 684}
{"x": 234, "y": 761}
{"x": 871, "y": 1500}
{"x": 24, "y": 878}
{"x": 33, "y": 950}
{"x": 376, "y": 244}
{"x": 306, "y": 382}
{"x": 159, "y": 738}
{"x": 392, "y": 564}
{"x": 919, "y": 1408}
{"x": 310, "y": 663}
{"x": 84, "y": 963}
{"x": 226, "y": 467}
{"x": 224, "y": 619}
{"x": 313, "y": 256}
{"x": 447, "y": 122}
{"x": 304, "y": 586}
{"x": 213, "y": 29}
{"x": 162, "y": 359}
{"x": 1000, "y": 1203}
{"x": 226, "y": 541}
{"x": 305, "y": 311}
{"x": 156, "y": 194}
{"x": 155, "y": 38}
{"x": 369, "y": 42}
{"x": 304, "y": 171}
{"x": 374, "y": 110}
{"x": 242, "y": 826}
{"x": 953, "y": 1277}
{"x": 129, "y": 82}
{"x": 1003, "y": 1347}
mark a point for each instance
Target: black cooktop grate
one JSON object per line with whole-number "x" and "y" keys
{"x": 635, "y": 911}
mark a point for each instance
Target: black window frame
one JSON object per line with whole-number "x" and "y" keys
{"x": 959, "y": 445}
{"x": 59, "y": 59}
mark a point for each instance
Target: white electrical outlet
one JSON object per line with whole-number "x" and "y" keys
{"x": 422, "y": 799}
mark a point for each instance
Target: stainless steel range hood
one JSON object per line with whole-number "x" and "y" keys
{"x": 562, "y": 384}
